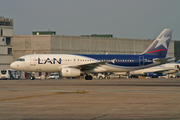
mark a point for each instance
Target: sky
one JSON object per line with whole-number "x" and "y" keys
{"x": 137, "y": 19}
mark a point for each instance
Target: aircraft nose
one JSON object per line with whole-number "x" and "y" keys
{"x": 12, "y": 65}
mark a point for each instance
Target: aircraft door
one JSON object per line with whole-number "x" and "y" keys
{"x": 33, "y": 60}
{"x": 141, "y": 60}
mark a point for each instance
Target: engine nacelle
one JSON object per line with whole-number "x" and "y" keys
{"x": 70, "y": 72}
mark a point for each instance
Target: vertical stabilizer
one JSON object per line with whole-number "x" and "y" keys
{"x": 160, "y": 45}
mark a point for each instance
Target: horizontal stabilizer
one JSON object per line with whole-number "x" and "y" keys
{"x": 163, "y": 60}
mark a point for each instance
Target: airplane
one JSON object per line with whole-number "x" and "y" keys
{"x": 73, "y": 65}
{"x": 154, "y": 72}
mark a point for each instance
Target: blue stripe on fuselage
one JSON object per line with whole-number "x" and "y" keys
{"x": 119, "y": 59}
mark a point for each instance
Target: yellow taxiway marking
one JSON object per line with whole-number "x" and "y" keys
{"x": 55, "y": 93}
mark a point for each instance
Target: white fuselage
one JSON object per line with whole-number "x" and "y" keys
{"x": 54, "y": 63}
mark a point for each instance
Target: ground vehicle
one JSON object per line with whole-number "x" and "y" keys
{"x": 54, "y": 76}
{"x": 9, "y": 74}
{"x": 103, "y": 76}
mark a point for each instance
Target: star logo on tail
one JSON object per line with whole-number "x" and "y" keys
{"x": 162, "y": 41}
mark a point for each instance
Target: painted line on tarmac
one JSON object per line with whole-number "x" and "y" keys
{"x": 54, "y": 93}
{"x": 74, "y": 114}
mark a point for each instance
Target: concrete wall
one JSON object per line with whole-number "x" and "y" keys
{"x": 96, "y": 45}
{"x": 3, "y": 50}
{"x": 171, "y": 49}
{"x": 2, "y": 40}
{"x": 6, "y": 59}
{"x": 2, "y": 66}
{"x": 8, "y": 32}
{"x": 30, "y": 44}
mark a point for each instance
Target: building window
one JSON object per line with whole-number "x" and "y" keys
{"x": 9, "y": 51}
{"x": 8, "y": 41}
{"x": 1, "y": 32}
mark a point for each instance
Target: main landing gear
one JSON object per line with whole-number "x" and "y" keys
{"x": 33, "y": 76}
{"x": 88, "y": 77}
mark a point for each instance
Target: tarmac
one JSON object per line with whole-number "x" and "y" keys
{"x": 79, "y": 99}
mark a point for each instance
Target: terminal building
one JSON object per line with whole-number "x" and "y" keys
{"x": 6, "y": 37}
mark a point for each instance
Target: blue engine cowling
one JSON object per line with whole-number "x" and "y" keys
{"x": 154, "y": 75}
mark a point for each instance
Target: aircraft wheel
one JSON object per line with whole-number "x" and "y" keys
{"x": 88, "y": 77}
{"x": 32, "y": 78}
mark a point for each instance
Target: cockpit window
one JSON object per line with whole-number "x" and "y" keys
{"x": 21, "y": 59}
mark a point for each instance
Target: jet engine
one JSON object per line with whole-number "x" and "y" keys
{"x": 70, "y": 72}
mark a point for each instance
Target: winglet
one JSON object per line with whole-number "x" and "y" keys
{"x": 160, "y": 45}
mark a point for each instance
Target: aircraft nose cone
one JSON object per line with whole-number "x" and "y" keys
{"x": 12, "y": 65}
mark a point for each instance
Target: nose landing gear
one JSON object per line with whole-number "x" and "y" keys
{"x": 33, "y": 76}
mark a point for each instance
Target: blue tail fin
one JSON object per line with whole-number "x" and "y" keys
{"x": 160, "y": 45}
{"x": 178, "y": 61}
